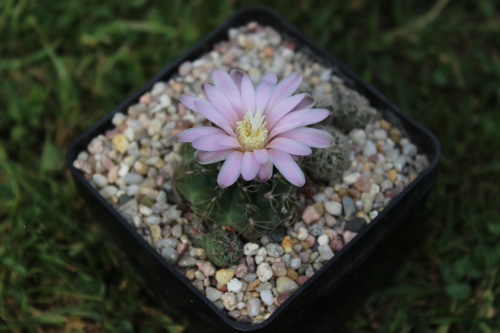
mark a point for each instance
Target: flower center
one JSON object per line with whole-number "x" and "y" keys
{"x": 251, "y": 131}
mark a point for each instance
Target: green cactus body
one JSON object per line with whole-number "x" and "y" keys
{"x": 351, "y": 111}
{"x": 251, "y": 208}
{"x": 222, "y": 247}
{"x": 328, "y": 164}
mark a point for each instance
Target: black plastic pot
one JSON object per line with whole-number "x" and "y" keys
{"x": 321, "y": 296}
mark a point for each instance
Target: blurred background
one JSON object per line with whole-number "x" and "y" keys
{"x": 65, "y": 64}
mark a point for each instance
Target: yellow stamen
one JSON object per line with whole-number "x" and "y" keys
{"x": 251, "y": 131}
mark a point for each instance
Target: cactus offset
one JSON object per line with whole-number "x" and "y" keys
{"x": 328, "y": 164}
{"x": 222, "y": 247}
{"x": 251, "y": 208}
{"x": 351, "y": 110}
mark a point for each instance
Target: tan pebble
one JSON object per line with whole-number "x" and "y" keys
{"x": 380, "y": 149}
{"x": 320, "y": 207}
{"x": 368, "y": 166}
{"x": 412, "y": 177}
{"x": 223, "y": 276}
{"x": 385, "y": 124}
{"x": 175, "y": 131}
{"x": 314, "y": 80}
{"x": 395, "y": 134}
{"x": 392, "y": 175}
{"x": 140, "y": 167}
{"x": 190, "y": 274}
{"x": 146, "y": 98}
{"x": 292, "y": 274}
{"x": 287, "y": 244}
{"x": 159, "y": 164}
{"x": 310, "y": 214}
{"x": 155, "y": 232}
{"x": 177, "y": 86}
{"x": 121, "y": 143}
{"x": 342, "y": 193}
{"x": 268, "y": 51}
{"x": 113, "y": 174}
{"x": 252, "y": 285}
{"x": 335, "y": 197}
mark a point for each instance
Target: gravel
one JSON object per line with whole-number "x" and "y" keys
{"x": 133, "y": 164}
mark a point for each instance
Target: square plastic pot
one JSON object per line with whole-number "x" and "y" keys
{"x": 323, "y": 295}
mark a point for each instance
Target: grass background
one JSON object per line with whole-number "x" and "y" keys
{"x": 64, "y": 64}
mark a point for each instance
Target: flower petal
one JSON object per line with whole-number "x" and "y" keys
{"x": 290, "y": 146}
{"x": 284, "y": 89}
{"x": 282, "y": 109}
{"x": 248, "y": 93}
{"x": 301, "y": 117}
{"x": 209, "y": 157}
{"x": 209, "y": 142}
{"x": 237, "y": 76}
{"x": 230, "y": 170}
{"x": 229, "y": 142}
{"x": 190, "y": 134}
{"x": 306, "y": 103}
{"x": 250, "y": 166}
{"x": 287, "y": 167}
{"x": 226, "y": 84}
{"x": 308, "y": 136}
{"x": 265, "y": 171}
{"x": 211, "y": 113}
{"x": 264, "y": 90}
{"x": 261, "y": 155}
{"x": 189, "y": 100}
{"x": 221, "y": 103}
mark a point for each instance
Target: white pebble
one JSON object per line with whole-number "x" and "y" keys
{"x": 165, "y": 100}
{"x": 100, "y": 180}
{"x": 333, "y": 207}
{"x": 351, "y": 178}
{"x": 369, "y": 149}
{"x": 302, "y": 234}
{"x": 250, "y": 249}
{"x": 267, "y": 297}
{"x": 234, "y": 285}
{"x": 264, "y": 272}
{"x": 253, "y": 307}
{"x": 213, "y": 294}
{"x": 325, "y": 252}
{"x": 323, "y": 240}
{"x": 108, "y": 191}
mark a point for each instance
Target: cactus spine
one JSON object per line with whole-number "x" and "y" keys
{"x": 328, "y": 164}
{"x": 222, "y": 247}
{"x": 251, "y": 208}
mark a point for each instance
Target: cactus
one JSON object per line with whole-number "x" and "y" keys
{"x": 222, "y": 247}
{"x": 328, "y": 164}
{"x": 251, "y": 208}
{"x": 351, "y": 110}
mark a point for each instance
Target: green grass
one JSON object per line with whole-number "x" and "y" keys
{"x": 64, "y": 64}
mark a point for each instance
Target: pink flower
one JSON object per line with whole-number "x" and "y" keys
{"x": 255, "y": 128}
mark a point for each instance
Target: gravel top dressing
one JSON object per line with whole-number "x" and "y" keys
{"x": 133, "y": 165}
